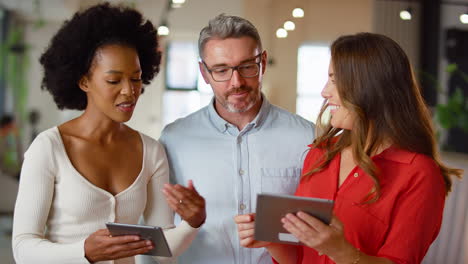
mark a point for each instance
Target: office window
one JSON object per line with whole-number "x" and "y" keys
{"x": 181, "y": 66}
{"x": 186, "y": 90}
{"x": 312, "y": 74}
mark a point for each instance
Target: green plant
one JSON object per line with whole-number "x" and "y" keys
{"x": 13, "y": 69}
{"x": 14, "y": 58}
{"x": 454, "y": 113}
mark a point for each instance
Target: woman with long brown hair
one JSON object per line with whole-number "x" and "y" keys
{"x": 376, "y": 158}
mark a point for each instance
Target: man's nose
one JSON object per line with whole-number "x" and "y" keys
{"x": 237, "y": 80}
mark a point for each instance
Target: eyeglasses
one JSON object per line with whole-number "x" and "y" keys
{"x": 224, "y": 73}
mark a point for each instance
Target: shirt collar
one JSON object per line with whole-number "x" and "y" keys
{"x": 396, "y": 154}
{"x": 262, "y": 114}
{"x": 216, "y": 120}
{"x": 392, "y": 153}
{"x": 222, "y": 124}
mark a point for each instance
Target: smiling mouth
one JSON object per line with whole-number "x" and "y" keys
{"x": 333, "y": 107}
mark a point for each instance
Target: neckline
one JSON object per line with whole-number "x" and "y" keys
{"x": 90, "y": 184}
{"x": 356, "y": 167}
{"x": 337, "y": 177}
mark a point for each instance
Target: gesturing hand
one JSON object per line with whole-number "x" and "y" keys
{"x": 101, "y": 246}
{"x": 246, "y": 230}
{"x": 186, "y": 202}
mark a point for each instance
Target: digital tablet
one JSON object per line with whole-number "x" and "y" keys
{"x": 153, "y": 233}
{"x": 272, "y": 207}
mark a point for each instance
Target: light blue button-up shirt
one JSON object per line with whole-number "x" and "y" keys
{"x": 230, "y": 167}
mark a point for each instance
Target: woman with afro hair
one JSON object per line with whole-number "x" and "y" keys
{"x": 95, "y": 169}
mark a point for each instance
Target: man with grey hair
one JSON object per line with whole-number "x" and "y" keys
{"x": 237, "y": 146}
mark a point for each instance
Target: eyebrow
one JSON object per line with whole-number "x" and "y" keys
{"x": 242, "y": 62}
{"x": 119, "y": 72}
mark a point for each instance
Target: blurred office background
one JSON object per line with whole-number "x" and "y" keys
{"x": 434, "y": 33}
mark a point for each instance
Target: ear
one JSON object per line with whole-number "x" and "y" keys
{"x": 204, "y": 72}
{"x": 264, "y": 61}
{"x": 83, "y": 83}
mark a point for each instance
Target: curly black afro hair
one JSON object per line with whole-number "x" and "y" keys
{"x": 71, "y": 51}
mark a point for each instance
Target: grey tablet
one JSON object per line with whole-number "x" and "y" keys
{"x": 272, "y": 207}
{"x": 153, "y": 233}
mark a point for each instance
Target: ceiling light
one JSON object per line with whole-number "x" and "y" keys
{"x": 464, "y": 18}
{"x": 177, "y": 3}
{"x": 406, "y": 14}
{"x": 163, "y": 30}
{"x": 298, "y": 12}
{"x": 281, "y": 33}
{"x": 289, "y": 25}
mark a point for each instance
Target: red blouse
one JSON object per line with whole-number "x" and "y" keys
{"x": 403, "y": 222}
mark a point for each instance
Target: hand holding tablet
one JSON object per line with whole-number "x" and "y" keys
{"x": 272, "y": 207}
{"x": 153, "y": 233}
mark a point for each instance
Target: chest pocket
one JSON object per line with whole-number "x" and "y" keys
{"x": 279, "y": 180}
{"x": 369, "y": 223}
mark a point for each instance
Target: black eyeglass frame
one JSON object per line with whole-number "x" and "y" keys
{"x": 235, "y": 68}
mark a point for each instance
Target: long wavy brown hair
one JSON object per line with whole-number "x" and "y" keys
{"x": 375, "y": 81}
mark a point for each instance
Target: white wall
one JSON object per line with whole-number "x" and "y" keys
{"x": 405, "y": 32}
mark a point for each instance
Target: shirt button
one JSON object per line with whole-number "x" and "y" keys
{"x": 241, "y": 172}
{"x": 356, "y": 175}
{"x": 242, "y": 206}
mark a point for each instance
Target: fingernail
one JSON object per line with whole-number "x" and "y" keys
{"x": 148, "y": 243}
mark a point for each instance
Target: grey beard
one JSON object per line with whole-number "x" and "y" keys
{"x": 230, "y": 108}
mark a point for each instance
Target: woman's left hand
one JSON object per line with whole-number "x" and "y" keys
{"x": 186, "y": 202}
{"x": 326, "y": 239}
